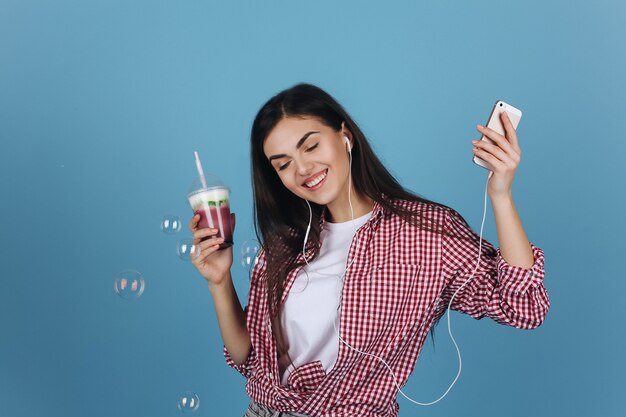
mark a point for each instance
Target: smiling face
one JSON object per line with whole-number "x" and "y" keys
{"x": 310, "y": 158}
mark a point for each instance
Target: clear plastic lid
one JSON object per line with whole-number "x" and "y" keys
{"x": 216, "y": 193}
{"x": 213, "y": 183}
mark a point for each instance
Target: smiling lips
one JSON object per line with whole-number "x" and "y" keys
{"x": 316, "y": 181}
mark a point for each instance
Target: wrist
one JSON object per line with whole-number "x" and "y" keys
{"x": 503, "y": 198}
{"x": 222, "y": 284}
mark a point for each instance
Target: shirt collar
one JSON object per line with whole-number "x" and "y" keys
{"x": 377, "y": 212}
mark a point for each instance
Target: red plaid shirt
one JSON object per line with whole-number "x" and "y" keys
{"x": 400, "y": 283}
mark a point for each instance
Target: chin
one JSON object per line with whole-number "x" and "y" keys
{"x": 323, "y": 200}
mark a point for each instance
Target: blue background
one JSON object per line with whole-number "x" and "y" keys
{"x": 102, "y": 104}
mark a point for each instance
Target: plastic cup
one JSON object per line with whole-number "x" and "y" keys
{"x": 212, "y": 203}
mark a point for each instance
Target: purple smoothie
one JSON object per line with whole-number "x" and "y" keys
{"x": 217, "y": 218}
{"x": 211, "y": 200}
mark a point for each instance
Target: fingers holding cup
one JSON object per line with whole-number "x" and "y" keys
{"x": 207, "y": 248}
{"x": 193, "y": 223}
{"x": 203, "y": 234}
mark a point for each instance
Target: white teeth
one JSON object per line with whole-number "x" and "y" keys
{"x": 316, "y": 180}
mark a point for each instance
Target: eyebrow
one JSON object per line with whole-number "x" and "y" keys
{"x": 298, "y": 145}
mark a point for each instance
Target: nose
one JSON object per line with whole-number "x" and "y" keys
{"x": 305, "y": 168}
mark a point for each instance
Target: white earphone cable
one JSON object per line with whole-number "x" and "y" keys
{"x": 449, "y": 304}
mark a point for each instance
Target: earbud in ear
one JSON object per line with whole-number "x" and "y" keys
{"x": 347, "y": 141}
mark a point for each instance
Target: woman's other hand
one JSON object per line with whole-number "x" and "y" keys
{"x": 503, "y": 156}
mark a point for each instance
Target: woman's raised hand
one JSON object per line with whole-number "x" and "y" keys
{"x": 504, "y": 156}
{"x": 213, "y": 264}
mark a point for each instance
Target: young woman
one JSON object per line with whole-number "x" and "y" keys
{"x": 355, "y": 270}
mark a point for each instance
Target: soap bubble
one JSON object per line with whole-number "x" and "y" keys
{"x": 129, "y": 284}
{"x": 187, "y": 250}
{"x": 249, "y": 251}
{"x": 170, "y": 224}
{"x": 188, "y": 402}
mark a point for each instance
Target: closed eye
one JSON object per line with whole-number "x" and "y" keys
{"x": 307, "y": 150}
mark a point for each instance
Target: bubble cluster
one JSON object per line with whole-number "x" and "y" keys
{"x": 188, "y": 402}
{"x": 170, "y": 224}
{"x": 129, "y": 284}
{"x": 187, "y": 250}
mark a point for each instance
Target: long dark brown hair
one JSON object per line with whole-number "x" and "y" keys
{"x": 282, "y": 217}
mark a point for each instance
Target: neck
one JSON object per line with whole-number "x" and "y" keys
{"x": 339, "y": 209}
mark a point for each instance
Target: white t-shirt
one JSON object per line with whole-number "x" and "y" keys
{"x": 311, "y": 306}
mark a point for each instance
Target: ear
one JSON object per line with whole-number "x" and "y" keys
{"x": 346, "y": 133}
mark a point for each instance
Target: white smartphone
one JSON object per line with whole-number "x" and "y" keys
{"x": 494, "y": 122}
